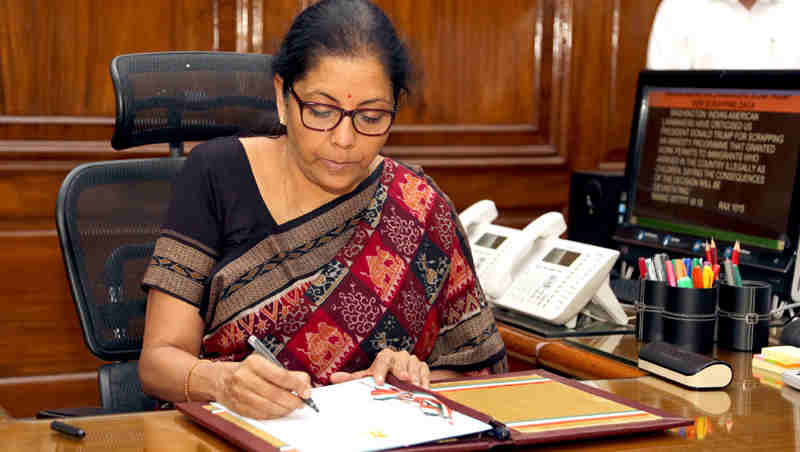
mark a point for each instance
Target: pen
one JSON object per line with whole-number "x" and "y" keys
{"x": 737, "y": 277}
{"x": 658, "y": 263}
{"x": 262, "y": 350}
{"x": 69, "y": 430}
{"x": 651, "y": 269}
{"x": 735, "y": 253}
{"x": 713, "y": 252}
{"x": 729, "y": 278}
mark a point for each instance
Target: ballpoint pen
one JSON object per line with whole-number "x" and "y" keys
{"x": 67, "y": 429}
{"x": 262, "y": 350}
{"x": 729, "y": 278}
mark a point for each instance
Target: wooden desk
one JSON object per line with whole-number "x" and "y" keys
{"x": 747, "y": 416}
{"x": 526, "y": 349}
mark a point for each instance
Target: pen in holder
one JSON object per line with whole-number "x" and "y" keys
{"x": 689, "y": 318}
{"x": 743, "y": 322}
{"x": 649, "y": 311}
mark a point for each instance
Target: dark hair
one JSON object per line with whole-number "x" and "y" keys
{"x": 342, "y": 28}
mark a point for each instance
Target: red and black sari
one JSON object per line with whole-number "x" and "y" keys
{"x": 386, "y": 265}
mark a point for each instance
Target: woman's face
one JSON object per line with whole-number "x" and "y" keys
{"x": 339, "y": 159}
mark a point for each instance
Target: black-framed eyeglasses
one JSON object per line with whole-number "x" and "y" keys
{"x": 324, "y": 117}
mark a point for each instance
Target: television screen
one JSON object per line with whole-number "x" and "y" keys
{"x": 713, "y": 154}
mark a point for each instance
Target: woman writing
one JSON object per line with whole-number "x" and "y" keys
{"x": 343, "y": 262}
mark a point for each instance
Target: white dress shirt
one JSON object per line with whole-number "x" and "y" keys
{"x": 723, "y": 34}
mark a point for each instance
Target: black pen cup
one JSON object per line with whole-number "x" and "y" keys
{"x": 690, "y": 316}
{"x": 650, "y": 310}
{"x": 743, "y": 316}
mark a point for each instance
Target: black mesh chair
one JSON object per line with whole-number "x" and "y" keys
{"x": 109, "y": 213}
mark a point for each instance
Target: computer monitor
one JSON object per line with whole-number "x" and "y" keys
{"x": 714, "y": 154}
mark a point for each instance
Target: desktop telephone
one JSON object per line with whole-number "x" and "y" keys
{"x": 534, "y": 272}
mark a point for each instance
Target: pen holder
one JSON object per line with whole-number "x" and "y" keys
{"x": 690, "y": 316}
{"x": 744, "y": 316}
{"x": 649, "y": 311}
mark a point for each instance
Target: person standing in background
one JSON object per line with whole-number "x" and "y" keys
{"x": 725, "y": 34}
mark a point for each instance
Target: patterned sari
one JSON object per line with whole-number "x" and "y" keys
{"x": 385, "y": 266}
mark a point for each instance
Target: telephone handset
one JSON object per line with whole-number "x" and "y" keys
{"x": 481, "y": 212}
{"x": 550, "y": 224}
{"x": 534, "y": 272}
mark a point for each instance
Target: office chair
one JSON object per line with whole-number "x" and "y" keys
{"x": 109, "y": 213}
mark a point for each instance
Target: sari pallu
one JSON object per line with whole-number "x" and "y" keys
{"x": 388, "y": 267}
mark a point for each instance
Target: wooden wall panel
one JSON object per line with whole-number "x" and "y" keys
{"x": 485, "y": 82}
{"x": 512, "y": 99}
{"x": 42, "y": 335}
{"x": 25, "y": 396}
{"x": 75, "y": 41}
{"x": 635, "y": 20}
{"x": 276, "y": 17}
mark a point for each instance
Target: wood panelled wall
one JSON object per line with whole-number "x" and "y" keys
{"x": 513, "y": 97}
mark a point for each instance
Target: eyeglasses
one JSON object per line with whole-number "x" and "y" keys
{"x": 323, "y": 117}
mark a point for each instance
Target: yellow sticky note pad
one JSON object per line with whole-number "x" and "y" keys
{"x": 784, "y": 355}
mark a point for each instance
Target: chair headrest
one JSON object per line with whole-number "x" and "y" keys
{"x": 173, "y": 97}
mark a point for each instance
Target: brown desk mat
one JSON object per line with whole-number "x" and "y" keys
{"x": 536, "y": 407}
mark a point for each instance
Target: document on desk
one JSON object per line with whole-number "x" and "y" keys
{"x": 358, "y": 416}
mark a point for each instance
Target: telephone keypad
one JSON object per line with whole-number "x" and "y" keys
{"x": 547, "y": 289}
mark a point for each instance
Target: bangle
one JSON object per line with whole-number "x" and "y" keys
{"x": 188, "y": 376}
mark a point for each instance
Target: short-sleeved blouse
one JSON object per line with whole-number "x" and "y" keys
{"x": 385, "y": 265}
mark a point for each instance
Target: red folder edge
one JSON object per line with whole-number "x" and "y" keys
{"x": 247, "y": 441}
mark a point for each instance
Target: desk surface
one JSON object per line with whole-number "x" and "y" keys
{"x": 746, "y": 416}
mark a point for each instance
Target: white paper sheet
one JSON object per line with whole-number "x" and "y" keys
{"x": 350, "y": 420}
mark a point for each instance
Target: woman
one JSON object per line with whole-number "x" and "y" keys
{"x": 343, "y": 262}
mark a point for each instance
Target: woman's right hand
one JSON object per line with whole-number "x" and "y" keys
{"x": 259, "y": 389}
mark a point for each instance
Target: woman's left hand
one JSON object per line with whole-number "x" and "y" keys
{"x": 401, "y": 364}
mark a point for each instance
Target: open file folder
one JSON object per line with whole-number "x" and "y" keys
{"x": 533, "y": 407}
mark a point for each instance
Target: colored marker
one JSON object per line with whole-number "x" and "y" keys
{"x": 670, "y": 273}
{"x": 697, "y": 277}
{"x": 708, "y": 277}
